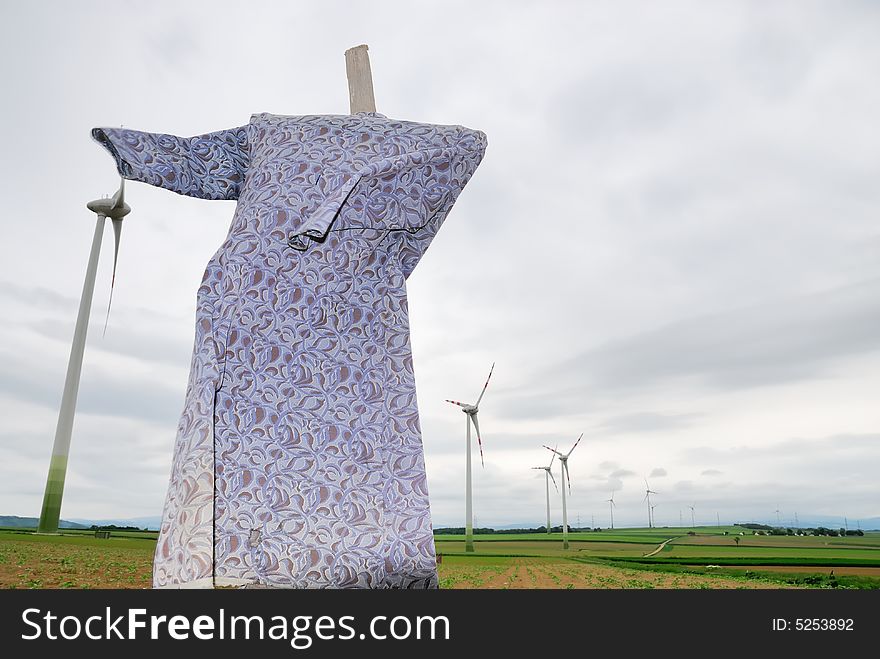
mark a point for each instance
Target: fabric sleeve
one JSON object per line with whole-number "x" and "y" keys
{"x": 422, "y": 220}
{"x": 210, "y": 166}
{"x": 407, "y": 196}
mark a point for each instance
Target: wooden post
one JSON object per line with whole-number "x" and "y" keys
{"x": 360, "y": 79}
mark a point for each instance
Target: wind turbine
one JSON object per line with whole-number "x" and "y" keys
{"x": 778, "y": 523}
{"x": 611, "y": 505}
{"x": 652, "y": 513}
{"x": 693, "y": 519}
{"x": 648, "y": 493}
{"x": 115, "y": 208}
{"x": 548, "y": 476}
{"x": 563, "y": 460}
{"x": 471, "y": 413}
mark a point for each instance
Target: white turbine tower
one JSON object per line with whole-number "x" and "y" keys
{"x": 611, "y": 505}
{"x": 693, "y": 518}
{"x": 471, "y": 413}
{"x": 548, "y": 476}
{"x": 648, "y": 493}
{"x": 563, "y": 460}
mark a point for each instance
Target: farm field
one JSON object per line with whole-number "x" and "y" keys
{"x": 624, "y": 558}
{"x": 74, "y": 561}
{"x": 708, "y": 559}
{"x": 519, "y": 573}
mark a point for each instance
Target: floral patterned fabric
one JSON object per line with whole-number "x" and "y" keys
{"x": 298, "y": 460}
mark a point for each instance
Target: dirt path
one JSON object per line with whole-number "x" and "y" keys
{"x": 661, "y": 546}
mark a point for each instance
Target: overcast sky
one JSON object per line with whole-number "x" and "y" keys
{"x": 672, "y": 245}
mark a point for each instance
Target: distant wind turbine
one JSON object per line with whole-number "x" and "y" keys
{"x": 563, "y": 459}
{"x": 611, "y": 505}
{"x": 693, "y": 518}
{"x": 471, "y": 413}
{"x": 778, "y": 523}
{"x": 548, "y": 476}
{"x": 648, "y": 493}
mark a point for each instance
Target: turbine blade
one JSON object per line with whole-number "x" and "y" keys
{"x": 477, "y": 404}
{"x": 552, "y": 449}
{"x": 550, "y": 473}
{"x": 567, "y": 475}
{"x": 473, "y": 418}
{"x": 117, "y": 235}
{"x": 119, "y": 195}
{"x": 454, "y": 402}
{"x": 575, "y": 445}
{"x": 552, "y": 458}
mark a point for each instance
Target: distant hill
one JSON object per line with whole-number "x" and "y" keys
{"x": 149, "y": 523}
{"x": 13, "y": 521}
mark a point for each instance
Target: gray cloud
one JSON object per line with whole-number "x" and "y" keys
{"x": 127, "y": 342}
{"x": 38, "y": 297}
{"x": 647, "y": 422}
{"x": 711, "y": 472}
{"x": 788, "y": 340}
{"x": 101, "y": 392}
{"x": 657, "y": 472}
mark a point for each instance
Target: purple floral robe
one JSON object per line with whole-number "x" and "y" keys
{"x": 298, "y": 460}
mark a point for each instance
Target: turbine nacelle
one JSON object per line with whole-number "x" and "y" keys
{"x": 563, "y": 458}
{"x": 472, "y": 410}
{"x": 113, "y": 207}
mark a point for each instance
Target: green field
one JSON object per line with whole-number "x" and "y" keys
{"x": 709, "y": 553}
{"x": 75, "y": 559}
{"x": 623, "y": 558}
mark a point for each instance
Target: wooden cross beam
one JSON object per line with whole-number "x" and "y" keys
{"x": 360, "y": 79}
